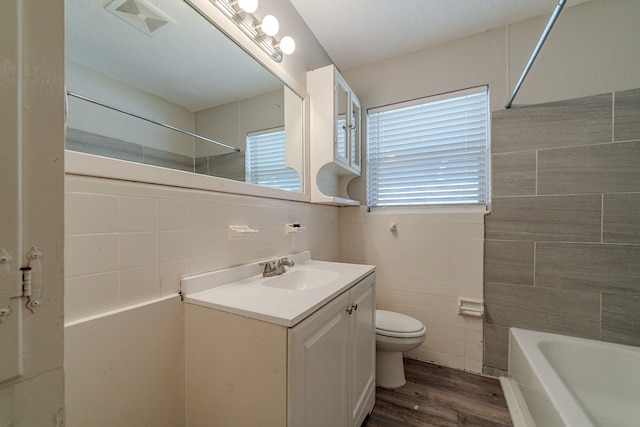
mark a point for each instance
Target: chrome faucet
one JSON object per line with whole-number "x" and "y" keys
{"x": 273, "y": 268}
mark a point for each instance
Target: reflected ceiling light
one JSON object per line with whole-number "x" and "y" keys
{"x": 262, "y": 33}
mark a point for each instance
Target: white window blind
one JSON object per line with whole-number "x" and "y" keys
{"x": 265, "y": 161}
{"x": 431, "y": 151}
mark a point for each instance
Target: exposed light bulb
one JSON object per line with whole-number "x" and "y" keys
{"x": 248, "y": 6}
{"x": 287, "y": 45}
{"x": 270, "y": 25}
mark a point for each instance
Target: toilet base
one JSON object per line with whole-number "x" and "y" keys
{"x": 389, "y": 369}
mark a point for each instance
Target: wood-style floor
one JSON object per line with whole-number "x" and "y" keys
{"x": 439, "y": 396}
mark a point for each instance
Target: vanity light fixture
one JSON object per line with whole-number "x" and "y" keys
{"x": 262, "y": 33}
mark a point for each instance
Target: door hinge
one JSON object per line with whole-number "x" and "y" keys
{"x": 26, "y": 282}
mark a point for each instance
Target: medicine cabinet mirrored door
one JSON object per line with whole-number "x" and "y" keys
{"x": 342, "y": 135}
{"x": 356, "y": 138}
{"x": 347, "y": 122}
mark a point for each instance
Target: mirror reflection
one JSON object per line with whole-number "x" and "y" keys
{"x": 154, "y": 76}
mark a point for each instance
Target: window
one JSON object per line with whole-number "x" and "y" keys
{"x": 431, "y": 151}
{"x": 265, "y": 161}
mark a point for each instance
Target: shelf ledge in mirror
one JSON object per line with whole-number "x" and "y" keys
{"x": 83, "y": 164}
{"x": 339, "y": 201}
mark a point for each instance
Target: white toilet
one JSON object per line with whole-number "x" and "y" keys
{"x": 395, "y": 333}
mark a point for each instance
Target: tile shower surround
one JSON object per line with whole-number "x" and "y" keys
{"x": 562, "y": 243}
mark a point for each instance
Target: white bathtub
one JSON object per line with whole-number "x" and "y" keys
{"x": 555, "y": 380}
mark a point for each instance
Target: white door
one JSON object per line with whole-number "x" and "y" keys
{"x": 10, "y": 212}
{"x": 32, "y": 208}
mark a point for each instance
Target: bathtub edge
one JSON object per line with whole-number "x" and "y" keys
{"x": 520, "y": 416}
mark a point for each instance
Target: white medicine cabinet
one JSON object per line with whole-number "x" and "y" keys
{"x": 336, "y": 142}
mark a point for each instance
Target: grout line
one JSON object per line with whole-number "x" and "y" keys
{"x": 600, "y": 319}
{"x": 613, "y": 116}
{"x": 508, "y": 60}
{"x": 558, "y": 195}
{"x": 537, "y": 151}
{"x": 535, "y": 250}
{"x": 602, "y": 219}
{"x": 565, "y": 147}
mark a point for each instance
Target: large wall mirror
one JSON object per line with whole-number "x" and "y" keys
{"x": 154, "y": 82}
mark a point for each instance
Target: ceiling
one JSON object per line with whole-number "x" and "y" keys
{"x": 360, "y": 32}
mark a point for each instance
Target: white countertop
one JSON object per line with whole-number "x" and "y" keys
{"x": 240, "y": 290}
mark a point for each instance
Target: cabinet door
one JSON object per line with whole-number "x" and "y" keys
{"x": 355, "y": 128}
{"x": 319, "y": 363}
{"x": 341, "y": 144}
{"x": 362, "y": 351}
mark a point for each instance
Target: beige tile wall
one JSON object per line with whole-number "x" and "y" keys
{"x": 422, "y": 270}
{"x": 128, "y": 243}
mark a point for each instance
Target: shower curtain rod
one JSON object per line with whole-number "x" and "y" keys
{"x": 102, "y": 104}
{"x": 543, "y": 37}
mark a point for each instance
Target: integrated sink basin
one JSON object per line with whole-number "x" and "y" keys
{"x": 300, "y": 280}
{"x": 286, "y": 299}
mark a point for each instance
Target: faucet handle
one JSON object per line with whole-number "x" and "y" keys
{"x": 286, "y": 261}
{"x": 269, "y": 268}
{"x": 282, "y": 262}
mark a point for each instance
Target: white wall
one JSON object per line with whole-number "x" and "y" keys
{"x": 593, "y": 48}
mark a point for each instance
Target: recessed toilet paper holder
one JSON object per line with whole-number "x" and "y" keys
{"x": 470, "y": 307}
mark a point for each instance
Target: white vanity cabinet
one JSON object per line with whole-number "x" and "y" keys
{"x": 332, "y": 362}
{"x": 336, "y": 135}
{"x": 318, "y": 371}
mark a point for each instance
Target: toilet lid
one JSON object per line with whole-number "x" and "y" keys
{"x": 394, "y": 324}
